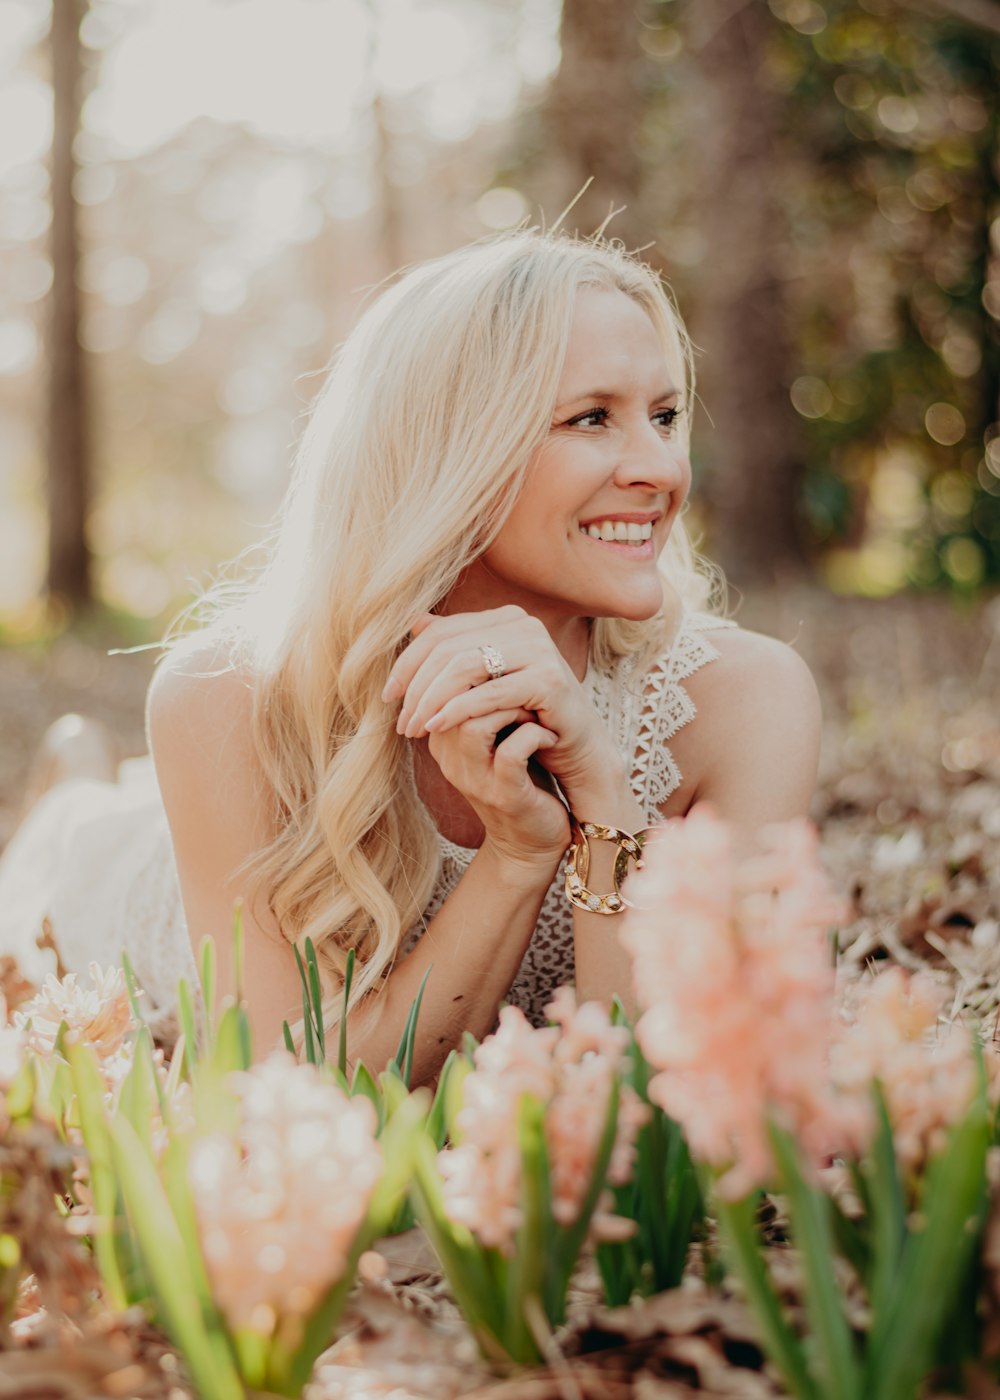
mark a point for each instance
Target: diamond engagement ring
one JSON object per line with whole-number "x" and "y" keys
{"x": 494, "y": 662}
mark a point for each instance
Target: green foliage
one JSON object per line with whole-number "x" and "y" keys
{"x": 663, "y": 1198}
{"x": 893, "y": 114}
{"x": 914, "y": 1249}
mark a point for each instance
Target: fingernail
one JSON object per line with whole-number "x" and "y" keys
{"x": 390, "y": 692}
{"x": 412, "y": 729}
{"x": 433, "y": 723}
{"x": 401, "y": 722}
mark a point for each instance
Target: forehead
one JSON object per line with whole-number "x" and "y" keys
{"x": 612, "y": 341}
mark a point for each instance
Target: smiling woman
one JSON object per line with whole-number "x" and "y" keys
{"x": 480, "y": 642}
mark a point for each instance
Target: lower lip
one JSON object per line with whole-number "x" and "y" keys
{"x": 643, "y": 549}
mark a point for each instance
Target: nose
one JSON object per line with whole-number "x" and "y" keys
{"x": 651, "y": 459}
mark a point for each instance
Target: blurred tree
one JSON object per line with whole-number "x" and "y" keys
{"x": 68, "y": 485}
{"x": 739, "y": 314}
{"x": 896, "y": 112}
{"x": 591, "y": 118}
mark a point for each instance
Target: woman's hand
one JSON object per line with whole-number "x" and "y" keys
{"x": 525, "y": 823}
{"x": 442, "y": 680}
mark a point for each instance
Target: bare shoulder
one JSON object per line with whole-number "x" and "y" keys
{"x": 754, "y": 745}
{"x": 755, "y": 671}
{"x": 198, "y": 713}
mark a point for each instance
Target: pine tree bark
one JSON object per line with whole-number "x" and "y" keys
{"x": 592, "y": 114}
{"x": 751, "y": 443}
{"x": 69, "y": 576}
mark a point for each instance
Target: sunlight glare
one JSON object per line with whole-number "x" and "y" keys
{"x": 25, "y": 120}
{"x": 291, "y": 71}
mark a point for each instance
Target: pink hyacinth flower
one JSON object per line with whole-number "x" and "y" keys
{"x": 732, "y": 965}
{"x": 280, "y": 1205}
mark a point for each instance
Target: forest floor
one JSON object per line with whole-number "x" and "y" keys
{"x": 909, "y": 811}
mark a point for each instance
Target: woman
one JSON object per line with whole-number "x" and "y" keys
{"x": 479, "y": 621}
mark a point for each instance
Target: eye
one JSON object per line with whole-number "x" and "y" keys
{"x": 666, "y": 417}
{"x": 591, "y": 419}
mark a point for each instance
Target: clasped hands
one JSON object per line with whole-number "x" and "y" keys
{"x": 442, "y": 680}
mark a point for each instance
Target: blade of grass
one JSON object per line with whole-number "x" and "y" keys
{"x": 316, "y": 998}
{"x": 902, "y": 1348}
{"x": 185, "y": 1009}
{"x": 342, "y": 1037}
{"x": 309, "y": 1043}
{"x": 204, "y": 1346}
{"x": 526, "y": 1278}
{"x": 809, "y": 1211}
{"x": 739, "y": 1228}
{"x": 888, "y": 1210}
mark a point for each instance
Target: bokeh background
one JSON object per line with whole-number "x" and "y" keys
{"x": 197, "y": 195}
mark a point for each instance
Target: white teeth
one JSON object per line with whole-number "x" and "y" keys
{"x": 618, "y": 531}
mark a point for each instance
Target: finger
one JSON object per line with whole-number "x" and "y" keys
{"x": 429, "y": 634}
{"x": 435, "y": 685}
{"x": 469, "y": 749}
{"x": 511, "y": 757}
{"x": 512, "y": 689}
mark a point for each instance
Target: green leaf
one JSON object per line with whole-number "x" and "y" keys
{"x": 130, "y": 984}
{"x": 201, "y": 1340}
{"x": 185, "y": 1008}
{"x": 402, "y": 1062}
{"x": 342, "y": 1039}
{"x": 103, "y": 1183}
{"x": 475, "y": 1274}
{"x": 309, "y": 1042}
{"x": 737, "y": 1222}
{"x": 364, "y": 1083}
{"x": 316, "y": 998}
{"x": 208, "y": 986}
{"x": 809, "y": 1208}
{"x": 287, "y": 1035}
{"x": 887, "y": 1211}
{"x": 935, "y": 1258}
{"x": 232, "y": 1049}
{"x": 530, "y": 1268}
{"x": 437, "y": 1122}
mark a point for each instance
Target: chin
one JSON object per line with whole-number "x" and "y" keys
{"x": 640, "y": 607}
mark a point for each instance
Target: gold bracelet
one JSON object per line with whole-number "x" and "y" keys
{"x": 578, "y": 865}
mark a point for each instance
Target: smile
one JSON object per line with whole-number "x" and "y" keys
{"x": 618, "y": 531}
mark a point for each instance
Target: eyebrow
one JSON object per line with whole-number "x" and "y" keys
{"x": 594, "y": 394}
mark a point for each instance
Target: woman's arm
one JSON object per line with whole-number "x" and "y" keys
{"x": 217, "y": 804}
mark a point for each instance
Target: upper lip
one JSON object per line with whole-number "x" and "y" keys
{"x": 627, "y": 517}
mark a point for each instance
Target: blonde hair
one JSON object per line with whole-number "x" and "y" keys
{"x": 414, "y": 454}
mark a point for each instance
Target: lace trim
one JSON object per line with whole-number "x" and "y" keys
{"x": 642, "y": 719}
{"x": 648, "y": 716}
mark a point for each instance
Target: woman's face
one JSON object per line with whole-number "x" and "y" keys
{"x": 604, "y": 490}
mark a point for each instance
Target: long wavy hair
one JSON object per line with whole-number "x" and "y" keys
{"x": 414, "y": 453}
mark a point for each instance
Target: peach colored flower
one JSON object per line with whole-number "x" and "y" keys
{"x": 99, "y": 1016}
{"x": 571, "y": 1068}
{"x": 927, "y": 1068}
{"x": 281, "y": 1203}
{"x": 732, "y": 965}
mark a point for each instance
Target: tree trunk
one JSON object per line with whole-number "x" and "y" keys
{"x": 591, "y": 119}
{"x": 751, "y": 443}
{"x": 69, "y": 561}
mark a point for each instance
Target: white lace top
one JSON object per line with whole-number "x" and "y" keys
{"x": 95, "y": 859}
{"x": 643, "y": 713}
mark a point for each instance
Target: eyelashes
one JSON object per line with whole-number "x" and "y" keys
{"x": 667, "y": 417}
